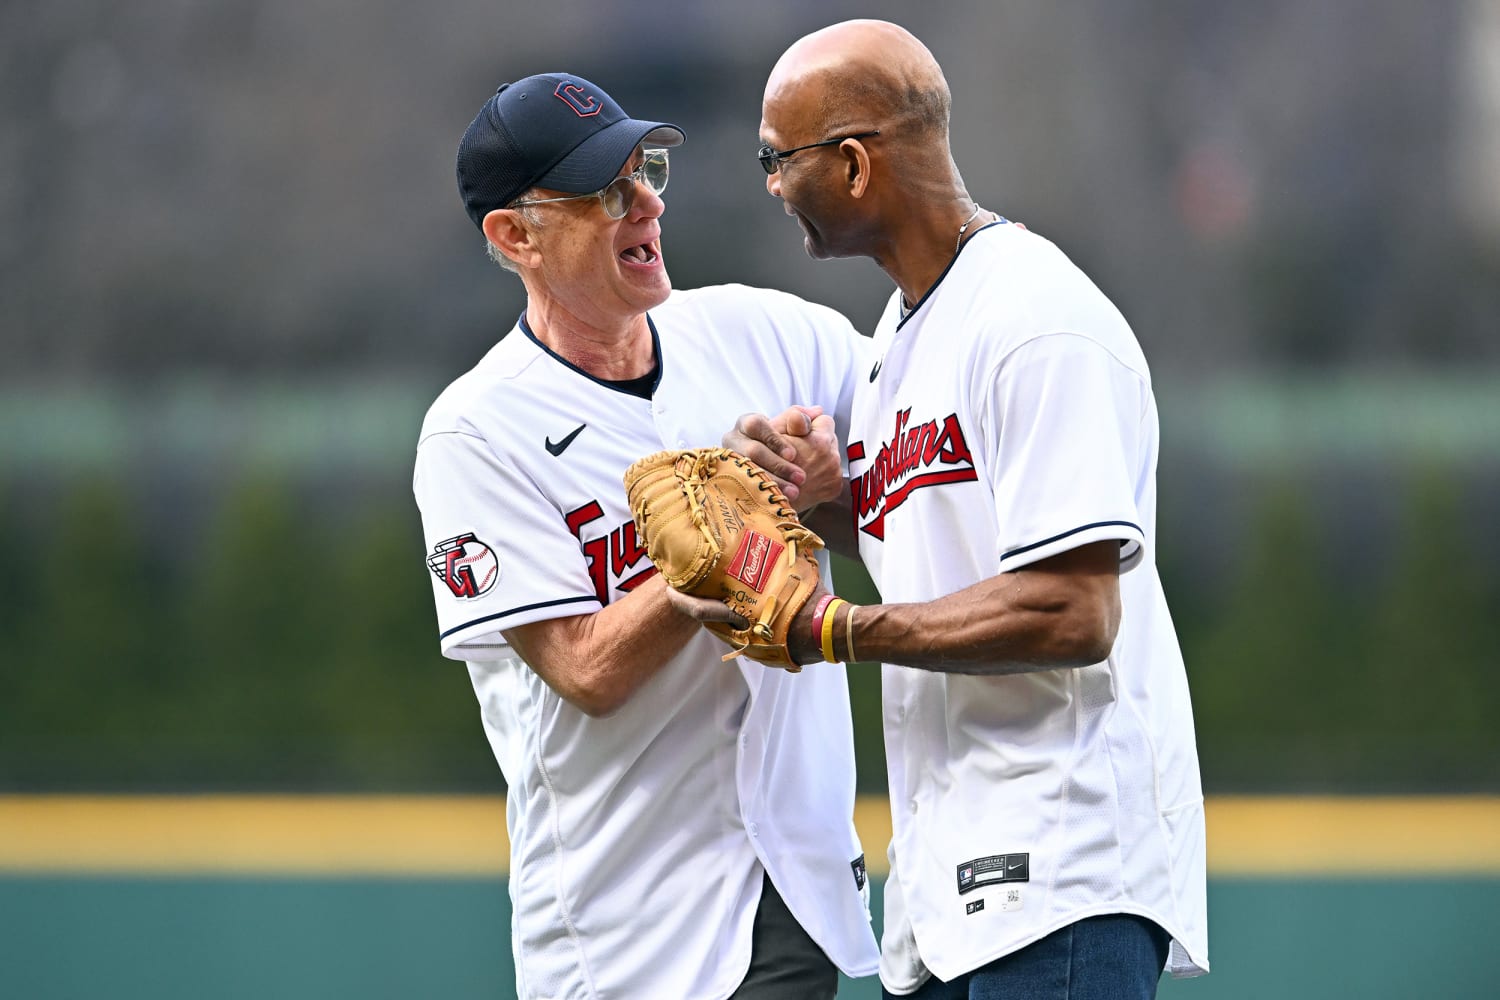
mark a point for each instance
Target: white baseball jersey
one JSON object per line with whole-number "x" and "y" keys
{"x": 1010, "y": 418}
{"x": 638, "y": 840}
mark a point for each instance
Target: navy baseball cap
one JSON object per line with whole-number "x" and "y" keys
{"x": 551, "y": 130}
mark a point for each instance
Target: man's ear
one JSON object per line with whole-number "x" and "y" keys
{"x": 856, "y": 166}
{"x": 507, "y": 230}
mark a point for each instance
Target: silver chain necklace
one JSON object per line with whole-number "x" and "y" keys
{"x": 965, "y": 228}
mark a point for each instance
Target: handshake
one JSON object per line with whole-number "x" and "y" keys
{"x": 720, "y": 528}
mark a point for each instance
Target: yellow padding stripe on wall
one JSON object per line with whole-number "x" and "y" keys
{"x": 465, "y": 835}
{"x": 337, "y": 835}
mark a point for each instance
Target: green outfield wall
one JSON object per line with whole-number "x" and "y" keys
{"x": 218, "y": 938}
{"x": 236, "y": 898}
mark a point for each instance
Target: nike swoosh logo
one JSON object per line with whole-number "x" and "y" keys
{"x": 1013, "y": 867}
{"x": 562, "y": 446}
{"x": 876, "y": 370}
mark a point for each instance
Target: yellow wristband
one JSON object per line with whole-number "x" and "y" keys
{"x": 828, "y": 618}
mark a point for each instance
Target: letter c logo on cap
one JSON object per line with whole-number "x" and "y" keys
{"x": 583, "y": 104}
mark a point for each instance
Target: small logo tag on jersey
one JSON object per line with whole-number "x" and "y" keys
{"x": 752, "y": 562}
{"x": 974, "y": 907}
{"x": 466, "y": 565}
{"x": 860, "y": 875}
{"x": 992, "y": 869}
{"x": 876, "y": 370}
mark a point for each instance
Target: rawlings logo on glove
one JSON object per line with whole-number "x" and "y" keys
{"x": 716, "y": 525}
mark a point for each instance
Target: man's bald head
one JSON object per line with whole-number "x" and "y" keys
{"x": 863, "y": 74}
{"x": 870, "y": 104}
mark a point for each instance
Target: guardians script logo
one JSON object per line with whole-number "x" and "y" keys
{"x": 929, "y": 454}
{"x": 615, "y": 557}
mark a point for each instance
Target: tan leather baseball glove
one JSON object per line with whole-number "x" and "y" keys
{"x": 716, "y": 525}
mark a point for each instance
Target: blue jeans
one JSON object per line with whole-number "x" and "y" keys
{"x": 1112, "y": 957}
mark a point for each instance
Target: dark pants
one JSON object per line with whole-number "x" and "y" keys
{"x": 1113, "y": 957}
{"x": 785, "y": 964}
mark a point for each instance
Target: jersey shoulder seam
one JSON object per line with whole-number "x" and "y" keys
{"x": 1032, "y": 338}
{"x": 450, "y": 431}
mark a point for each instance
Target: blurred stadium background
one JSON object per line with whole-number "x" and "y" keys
{"x": 234, "y": 271}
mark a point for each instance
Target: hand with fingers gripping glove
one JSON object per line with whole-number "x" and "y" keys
{"x": 716, "y": 525}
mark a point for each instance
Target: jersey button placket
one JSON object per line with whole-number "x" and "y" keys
{"x": 668, "y": 437}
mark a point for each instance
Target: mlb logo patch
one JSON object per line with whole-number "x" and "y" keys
{"x": 860, "y": 875}
{"x": 993, "y": 868}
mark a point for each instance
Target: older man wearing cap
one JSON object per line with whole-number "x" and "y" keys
{"x": 679, "y": 827}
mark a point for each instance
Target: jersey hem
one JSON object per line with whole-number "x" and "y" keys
{"x": 1199, "y": 967}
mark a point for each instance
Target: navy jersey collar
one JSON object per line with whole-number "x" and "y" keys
{"x": 616, "y": 386}
{"x": 907, "y": 314}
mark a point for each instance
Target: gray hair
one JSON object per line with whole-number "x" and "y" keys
{"x": 531, "y": 217}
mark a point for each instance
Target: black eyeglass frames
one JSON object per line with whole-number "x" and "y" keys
{"x": 770, "y": 159}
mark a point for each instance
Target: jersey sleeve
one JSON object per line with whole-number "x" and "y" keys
{"x": 1068, "y": 431}
{"x": 499, "y": 553}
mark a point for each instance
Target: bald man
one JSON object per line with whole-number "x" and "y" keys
{"x": 1046, "y": 801}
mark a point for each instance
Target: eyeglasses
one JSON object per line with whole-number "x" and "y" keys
{"x": 619, "y": 194}
{"x": 771, "y": 159}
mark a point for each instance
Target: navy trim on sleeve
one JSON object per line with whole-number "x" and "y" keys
{"x": 1065, "y": 534}
{"x": 591, "y": 599}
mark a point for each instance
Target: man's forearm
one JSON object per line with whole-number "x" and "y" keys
{"x": 1061, "y": 612}
{"x": 596, "y": 662}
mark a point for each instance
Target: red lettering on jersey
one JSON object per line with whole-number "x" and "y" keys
{"x": 576, "y": 519}
{"x": 894, "y": 472}
{"x": 624, "y": 550}
{"x": 630, "y": 583}
{"x": 595, "y": 550}
{"x": 610, "y": 557}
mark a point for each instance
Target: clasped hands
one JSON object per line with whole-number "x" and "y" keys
{"x": 798, "y": 448}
